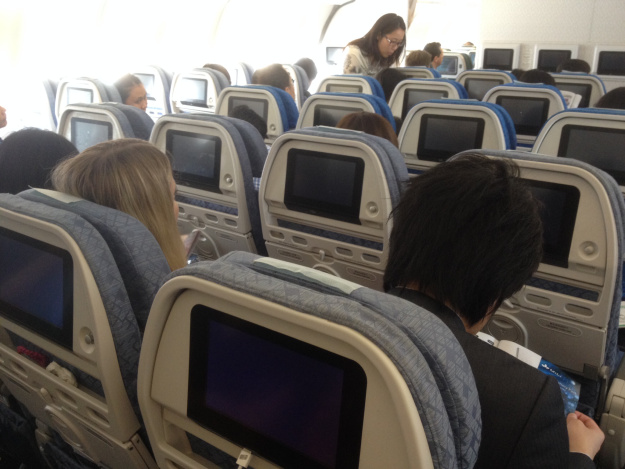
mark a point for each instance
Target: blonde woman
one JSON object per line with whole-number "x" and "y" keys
{"x": 132, "y": 176}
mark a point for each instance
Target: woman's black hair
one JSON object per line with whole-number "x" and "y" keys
{"x": 368, "y": 44}
{"x": 613, "y": 99}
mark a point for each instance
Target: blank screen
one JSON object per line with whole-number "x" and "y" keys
{"x": 196, "y": 159}
{"x": 600, "y": 147}
{"x": 334, "y": 55}
{"x": 192, "y": 91}
{"x": 324, "y": 184}
{"x": 548, "y": 60}
{"x": 330, "y": 115}
{"x": 443, "y": 136}
{"x": 343, "y": 88}
{"x": 581, "y": 89}
{"x": 259, "y": 106}
{"x": 611, "y": 63}
{"x": 498, "y": 59}
{"x": 528, "y": 114}
{"x": 87, "y": 132}
{"x": 558, "y": 212}
{"x": 414, "y": 97}
{"x": 478, "y": 87}
{"x": 148, "y": 82}
{"x": 289, "y": 401}
{"x": 36, "y": 286}
{"x": 79, "y": 95}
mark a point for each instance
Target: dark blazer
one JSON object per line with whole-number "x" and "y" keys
{"x": 523, "y": 422}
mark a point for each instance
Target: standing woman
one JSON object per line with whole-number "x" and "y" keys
{"x": 382, "y": 47}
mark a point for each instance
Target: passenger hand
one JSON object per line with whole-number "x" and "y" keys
{"x": 585, "y": 436}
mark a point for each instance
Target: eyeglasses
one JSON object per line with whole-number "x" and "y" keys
{"x": 393, "y": 43}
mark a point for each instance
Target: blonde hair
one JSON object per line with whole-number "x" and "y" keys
{"x": 419, "y": 58}
{"x": 132, "y": 176}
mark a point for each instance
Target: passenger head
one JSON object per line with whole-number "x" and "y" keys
{"x": 613, "y": 99}
{"x": 389, "y": 78}
{"x": 3, "y": 117}
{"x": 418, "y": 58}
{"x": 132, "y": 91}
{"x": 132, "y": 176}
{"x": 436, "y": 51}
{"x": 219, "y": 68}
{"x": 309, "y": 67}
{"x": 467, "y": 233}
{"x": 517, "y": 72}
{"x": 28, "y": 156}
{"x": 370, "y": 123}
{"x": 537, "y": 76}
{"x": 246, "y": 114}
{"x": 274, "y": 75}
{"x": 384, "y": 43}
{"x": 574, "y": 65}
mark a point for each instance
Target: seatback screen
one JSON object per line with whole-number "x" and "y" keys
{"x": 324, "y": 184}
{"x": 498, "y": 59}
{"x": 290, "y": 402}
{"x": 88, "y": 132}
{"x": 259, "y": 106}
{"x": 334, "y": 88}
{"x": 558, "y": 212}
{"x": 611, "y": 63}
{"x": 196, "y": 159}
{"x": 414, "y": 97}
{"x": 192, "y": 92}
{"x": 330, "y": 115}
{"x": 548, "y": 60}
{"x": 449, "y": 66}
{"x": 148, "y": 82}
{"x": 528, "y": 114}
{"x": 603, "y": 148}
{"x": 37, "y": 286}
{"x": 79, "y": 95}
{"x": 478, "y": 87}
{"x": 581, "y": 89}
{"x": 443, "y": 136}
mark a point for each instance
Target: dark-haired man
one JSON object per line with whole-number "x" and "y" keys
{"x": 436, "y": 51}
{"x": 467, "y": 235}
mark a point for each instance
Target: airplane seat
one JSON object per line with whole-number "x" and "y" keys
{"x": 467, "y": 60}
{"x": 73, "y": 307}
{"x": 50, "y": 88}
{"x": 477, "y": 82}
{"x": 300, "y": 83}
{"x": 157, "y": 82}
{"x": 88, "y": 124}
{"x": 420, "y": 72}
{"x": 589, "y": 87}
{"x": 83, "y": 90}
{"x": 351, "y": 84}
{"x": 248, "y": 71}
{"x": 413, "y": 401}
{"x": 568, "y": 312}
{"x": 325, "y": 199}
{"x": 424, "y": 139}
{"x": 274, "y": 105}
{"x": 529, "y": 106}
{"x": 328, "y": 109}
{"x": 453, "y": 64}
{"x": 216, "y": 161}
{"x": 414, "y": 90}
{"x": 197, "y": 90}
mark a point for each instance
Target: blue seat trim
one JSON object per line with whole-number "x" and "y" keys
{"x": 286, "y": 105}
{"x": 375, "y": 85}
{"x": 380, "y": 106}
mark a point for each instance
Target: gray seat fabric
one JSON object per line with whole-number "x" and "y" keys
{"x": 424, "y": 350}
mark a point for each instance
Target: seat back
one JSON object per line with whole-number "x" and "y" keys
{"x": 478, "y": 82}
{"x": 420, "y": 72}
{"x": 81, "y": 270}
{"x": 410, "y": 92}
{"x": 197, "y": 90}
{"x": 589, "y": 87}
{"x": 83, "y": 91}
{"x": 329, "y": 108}
{"x": 529, "y": 105}
{"x": 325, "y": 200}
{"x": 433, "y": 131}
{"x": 240, "y": 73}
{"x": 88, "y": 124}
{"x": 595, "y": 136}
{"x": 568, "y": 311}
{"x": 157, "y": 83}
{"x": 453, "y": 64}
{"x": 275, "y": 106}
{"x": 351, "y": 84}
{"x": 300, "y": 83}
{"x": 216, "y": 161}
{"x": 304, "y": 344}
